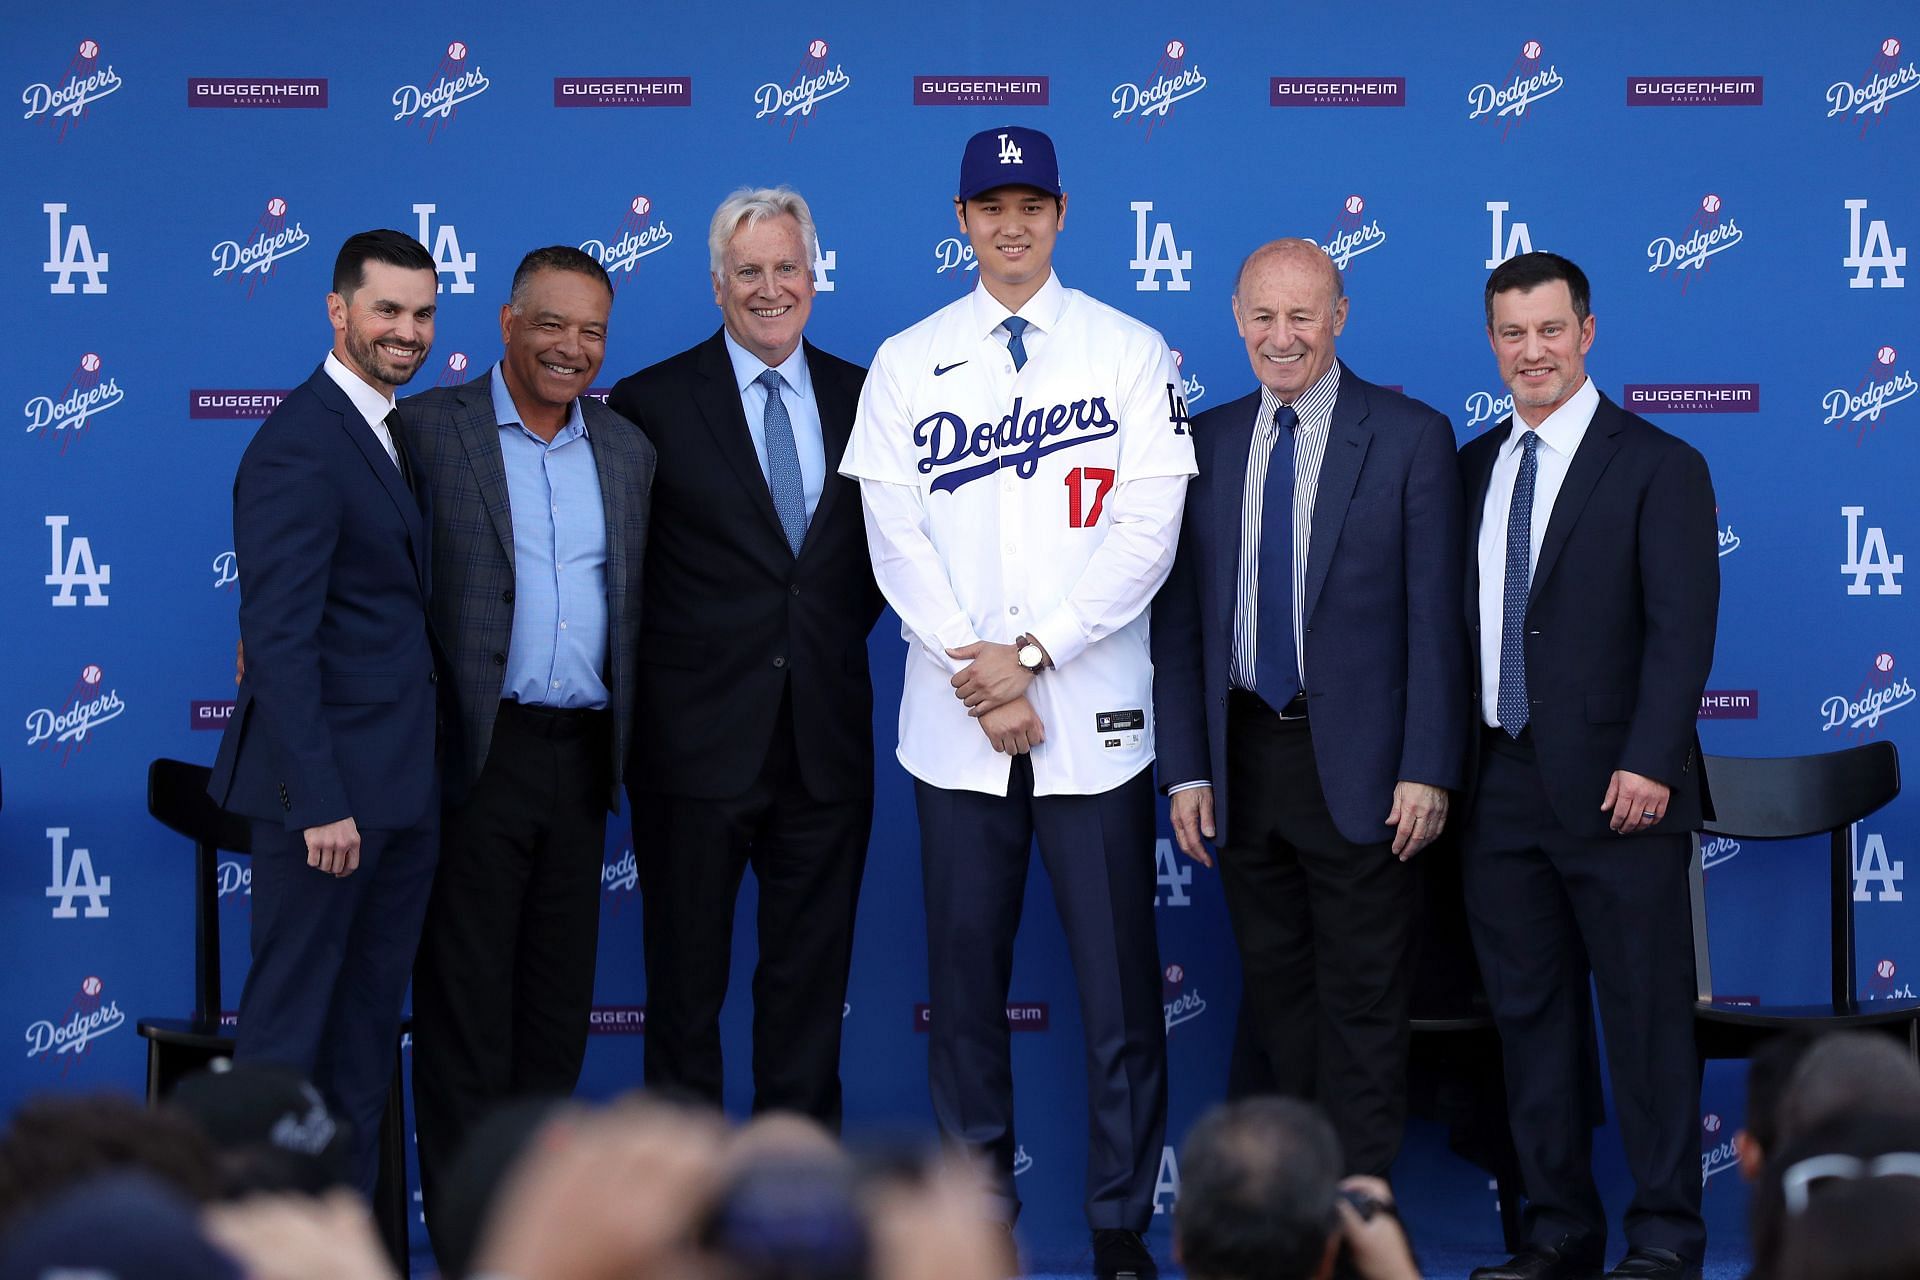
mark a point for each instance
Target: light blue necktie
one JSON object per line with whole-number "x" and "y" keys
{"x": 783, "y": 464}
{"x": 1016, "y": 348}
{"x": 1513, "y": 605}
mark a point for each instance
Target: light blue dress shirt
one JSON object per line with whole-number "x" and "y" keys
{"x": 802, "y": 410}
{"x": 559, "y": 645}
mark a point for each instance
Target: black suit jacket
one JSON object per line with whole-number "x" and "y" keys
{"x": 1620, "y": 618}
{"x": 730, "y": 616}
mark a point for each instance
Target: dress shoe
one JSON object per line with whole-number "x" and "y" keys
{"x": 1540, "y": 1262}
{"x": 1642, "y": 1263}
{"x": 1122, "y": 1255}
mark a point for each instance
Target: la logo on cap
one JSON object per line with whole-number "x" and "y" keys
{"x": 1009, "y": 153}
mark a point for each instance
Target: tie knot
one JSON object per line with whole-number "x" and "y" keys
{"x": 392, "y": 419}
{"x": 1015, "y": 325}
{"x": 1285, "y": 419}
{"x": 1530, "y": 441}
{"x": 771, "y": 380}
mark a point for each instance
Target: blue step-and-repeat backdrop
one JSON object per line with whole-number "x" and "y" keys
{"x": 1739, "y": 180}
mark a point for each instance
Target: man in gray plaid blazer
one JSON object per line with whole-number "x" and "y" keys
{"x": 540, "y": 505}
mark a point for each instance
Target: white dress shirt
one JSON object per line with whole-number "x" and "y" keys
{"x": 1560, "y": 436}
{"x": 373, "y": 406}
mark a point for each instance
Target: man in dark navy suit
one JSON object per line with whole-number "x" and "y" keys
{"x": 331, "y": 749}
{"x": 1592, "y": 590}
{"x": 1309, "y": 663}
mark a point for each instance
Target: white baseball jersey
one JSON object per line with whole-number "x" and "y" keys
{"x": 1046, "y": 500}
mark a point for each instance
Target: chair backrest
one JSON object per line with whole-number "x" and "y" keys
{"x": 1790, "y": 797}
{"x": 177, "y": 797}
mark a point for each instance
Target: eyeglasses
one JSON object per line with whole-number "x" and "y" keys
{"x": 1797, "y": 1182}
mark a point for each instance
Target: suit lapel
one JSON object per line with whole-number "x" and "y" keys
{"x": 611, "y": 466}
{"x": 719, "y": 399}
{"x": 1596, "y": 450}
{"x": 1347, "y": 441}
{"x": 836, "y": 424}
{"x": 1476, "y": 479}
{"x": 1229, "y": 493}
{"x": 385, "y": 473}
{"x": 480, "y": 436}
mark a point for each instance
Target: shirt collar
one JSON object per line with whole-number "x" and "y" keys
{"x": 1565, "y": 427}
{"x": 507, "y": 414}
{"x": 1042, "y": 310}
{"x": 747, "y": 367}
{"x": 1314, "y": 405}
{"x": 373, "y": 406}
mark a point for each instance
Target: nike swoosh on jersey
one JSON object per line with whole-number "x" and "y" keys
{"x": 939, "y": 369}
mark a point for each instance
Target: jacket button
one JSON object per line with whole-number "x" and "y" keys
{"x": 433, "y": 677}
{"x": 780, "y": 661}
{"x": 795, "y": 588}
{"x": 507, "y": 595}
{"x": 499, "y": 659}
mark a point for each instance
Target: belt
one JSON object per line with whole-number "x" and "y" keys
{"x": 555, "y": 722}
{"x": 1296, "y": 708}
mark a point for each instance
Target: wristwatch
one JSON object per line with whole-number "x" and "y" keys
{"x": 1029, "y": 653}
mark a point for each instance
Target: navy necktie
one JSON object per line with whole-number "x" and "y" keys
{"x": 1016, "y": 348}
{"x": 783, "y": 464}
{"x": 1276, "y": 671}
{"x": 1513, "y": 604}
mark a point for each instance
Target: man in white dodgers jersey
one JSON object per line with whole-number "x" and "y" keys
{"x": 1023, "y": 460}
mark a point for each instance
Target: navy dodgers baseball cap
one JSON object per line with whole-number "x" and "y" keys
{"x": 1011, "y": 156}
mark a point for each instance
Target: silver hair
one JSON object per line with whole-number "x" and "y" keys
{"x": 750, "y": 206}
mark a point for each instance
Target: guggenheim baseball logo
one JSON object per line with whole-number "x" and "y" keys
{"x": 1174, "y": 79}
{"x": 86, "y": 1019}
{"x": 1866, "y": 99}
{"x": 980, "y": 91}
{"x": 622, "y": 91}
{"x": 639, "y": 235}
{"x": 1022, "y": 1015}
{"x": 1709, "y": 232}
{"x": 256, "y": 254}
{"x": 1692, "y": 397}
{"x": 812, "y": 83}
{"x": 1878, "y": 391}
{"x": 64, "y": 100}
{"x": 88, "y": 705}
{"x": 65, "y": 415}
{"x": 1695, "y": 91}
{"x": 1353, "y": 233}
{"x": 257, "y": 91}
{"x": 1337, "y": 91}
{"x": 1525, "y": 83}
{"x": 1729, "y": 704}
{"x": 1879, "y": 695}
{"x": 436, "y": 102}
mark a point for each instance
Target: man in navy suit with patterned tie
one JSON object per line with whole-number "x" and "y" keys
{"x": 1310, "y": 666}
{"x": 1592, "y": 591}
{"x": 331, "y": 749}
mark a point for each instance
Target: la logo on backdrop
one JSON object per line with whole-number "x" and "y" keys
{"x": 61, "y": 101}
{"x": 1173, "y": 80}
{"x": 1525, "y": 83}
{"x": 68, "y": 1037}
{"x": 255, "y": 255}
{"x": 639, "y": 235}
{"x": 1887, "y": 77}
{"x": 1878, "y": 390}
{"x": 434, "y": 103}
{"x": 66, "y": 414}
{"x": 812, "y": 83}
{"x": 63, "y": 727}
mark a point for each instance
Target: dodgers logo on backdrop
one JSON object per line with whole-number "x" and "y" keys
{"x": 444, "y": 244}
{"x": 234, "y": 878}
{"x": 66, "y": 414}
{"x": 454, "y": 81}
{"x": 620, "y": 880}
{"x": 65, "y": 98}
{"x": 71, "y": 255}
{"x": 637, "y": 237}
{"x": 1020, "y": 439}
{"x": 73, "y": 877}
{"x": 1709, "y": 232}
{"x": 1525, "y": 83}
{"x": 1879, "y": 390}
{"x": 1867, "y": 557}
{"x": 1151, "y": 256}
{"x": 1887, "y": 78}
{"x": 1021, "y": 1160}
{"x": 454, "y": 372}
{"x": 65, "y": 726}
{"x": 256, "y": 255}
{"x": 1174, "y": 79}
{"x": 1180, "y": 1003}
{"x": 1488, "y": 406}
{"x": 1191, "y": 389}
{"x": 1876, "y": 252}
{"x": 1519, "y": 236}
{"x": 1718, "y": 851}
{"x": 74, "y": 568}
{"x": 86, "y": 1019}
{"x": 1729, "y": 540}
{"x": 1729, "y": 704}
{"x": 226, "y": 571}
{"x": 1717, "y": 1154}
{"x": 955, "y": 255}
{"x": 1876, "y": 877}
{"x": 1353, "y": 233}
{"x": 1879, "y": 695}
{"x": 811, "y": 84}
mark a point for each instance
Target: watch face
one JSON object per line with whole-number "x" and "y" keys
{"x": 1029, "y": 656}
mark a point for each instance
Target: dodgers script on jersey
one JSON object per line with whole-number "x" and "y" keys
{"x": 1046, "y": 500}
